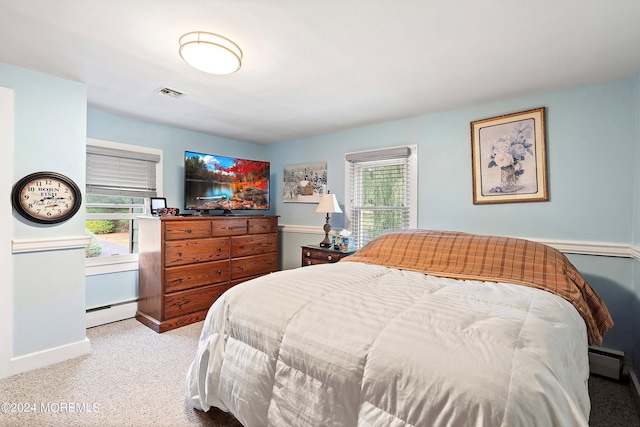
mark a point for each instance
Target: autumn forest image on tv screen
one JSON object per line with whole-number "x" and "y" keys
{"x": 225, "y": 183}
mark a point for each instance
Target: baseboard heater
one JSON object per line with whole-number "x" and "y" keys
{"x": 111, "y": 313}
{"x": 606, "y": 362}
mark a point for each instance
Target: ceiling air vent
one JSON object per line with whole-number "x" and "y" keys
{"x": 168, "y": 92}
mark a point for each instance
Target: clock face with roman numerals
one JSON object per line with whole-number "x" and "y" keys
{"x": 46, "y": 197}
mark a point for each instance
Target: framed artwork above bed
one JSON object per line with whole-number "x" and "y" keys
{"x": 509, "y": 158}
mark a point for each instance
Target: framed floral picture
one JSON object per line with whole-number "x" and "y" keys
{"x": 509, "y": 159}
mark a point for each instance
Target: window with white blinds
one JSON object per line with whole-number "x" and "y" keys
{"x": 381, "y": 191}
{"x": 120, "y": 178}
{"x": 118, "y": 172}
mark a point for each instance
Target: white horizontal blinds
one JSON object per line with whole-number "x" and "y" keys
{"x": 380, "y": 192}
{"x": 121, "y": 172}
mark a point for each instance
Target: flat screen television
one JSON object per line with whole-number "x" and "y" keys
{"x": 228, "y": 184}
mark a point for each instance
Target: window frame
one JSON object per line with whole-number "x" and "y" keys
{"x": 120, "y": 263}
{"x": 382, "y": 155}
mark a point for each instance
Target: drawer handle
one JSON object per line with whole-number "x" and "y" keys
{"x": 308, "y": 253}
{"x": 329, "y": 258}
{"x": 219, "y": 249}
{"x": 189, "y": 230}
{"x": 179, "y": 253}
{"x": 241, "y": 246}
{"x": 308, "y": 262}
{"x": 219, "y": 272}
{"x": 179, "y": 279}
{"x": 241, "y": 267}
{"x": 269, "y": 262}
{"x": 179, "y": 305}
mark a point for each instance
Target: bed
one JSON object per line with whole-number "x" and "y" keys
{"x": 418, "y": 328}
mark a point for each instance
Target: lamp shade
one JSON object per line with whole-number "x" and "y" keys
{"x": 328, "y": 204}
{"x": 210, "y": 52}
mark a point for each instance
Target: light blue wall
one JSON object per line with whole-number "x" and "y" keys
{"x": 106, "y": 289}
{"x": 48, "y": 286}
{"x": 636, "y": 237}
{"x": 172, "y": 141}
{"x": 591, "y": 167}
{"x": 612, "y": 278}
{"x": 591, "y": 144}
{"x": 110, "y": 289}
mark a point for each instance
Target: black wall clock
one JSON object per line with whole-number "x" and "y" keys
{"x": 46, "y": 197}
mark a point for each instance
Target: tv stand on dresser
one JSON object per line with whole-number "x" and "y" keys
{"x": 186, "y": 263}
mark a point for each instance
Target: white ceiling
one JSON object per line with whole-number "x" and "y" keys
{"x": 312, "y": 66}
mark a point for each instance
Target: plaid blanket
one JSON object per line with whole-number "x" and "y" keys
{"x": 490, "y": 258}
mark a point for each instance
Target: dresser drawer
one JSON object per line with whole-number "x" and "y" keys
{"x": 254, "y": 265}
{"x": 253, "y": 244}
{"x": 229, "y": 227}
{"x": 193, "y": 251}
{"x": 178, "y": 230}
{"x": 317, "y": 255}
{"x": 311, "y": 261}
{"x": 263, "y": 225}
{"x": 185, "y": 302}
{"x": 322, "y": 256}
{"x": 191, "y": 276}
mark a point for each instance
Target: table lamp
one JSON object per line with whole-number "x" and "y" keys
{"x": 328, "y": 204}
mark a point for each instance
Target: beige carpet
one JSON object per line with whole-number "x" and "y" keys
{"x": 133, "y": 377}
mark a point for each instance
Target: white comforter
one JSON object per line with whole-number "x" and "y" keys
{"x": 350, "y": 344}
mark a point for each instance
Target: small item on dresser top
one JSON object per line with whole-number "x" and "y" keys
{"x": 168, "y": 212}
{"x": 157, "y": 203}
{"x": 344, "y": 241}
{"x": 333, "y": 234}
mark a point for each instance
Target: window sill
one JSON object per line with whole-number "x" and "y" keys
{"x": 115, "y": 264}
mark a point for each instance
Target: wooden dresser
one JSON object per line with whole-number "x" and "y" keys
{"x": 186, "y": 263}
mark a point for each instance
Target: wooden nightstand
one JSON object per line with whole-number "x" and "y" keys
{"x": 314, "y": 254}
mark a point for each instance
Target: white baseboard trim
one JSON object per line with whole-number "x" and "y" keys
{"x": 111, "y": 314}
{"x": 622, "y": 250}
{"x": 50, "y": 356}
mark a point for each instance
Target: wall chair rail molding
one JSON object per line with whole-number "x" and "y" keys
{"x": 49, "y": 244}
{"x": 635, "y": 252}
{"x": 620, "y": 250}
{"x": 304, "y": 229}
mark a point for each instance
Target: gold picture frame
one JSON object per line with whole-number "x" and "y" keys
{"x": 509, "y": 158}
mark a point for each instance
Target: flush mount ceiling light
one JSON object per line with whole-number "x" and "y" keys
{"x": 210, "y": 52}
